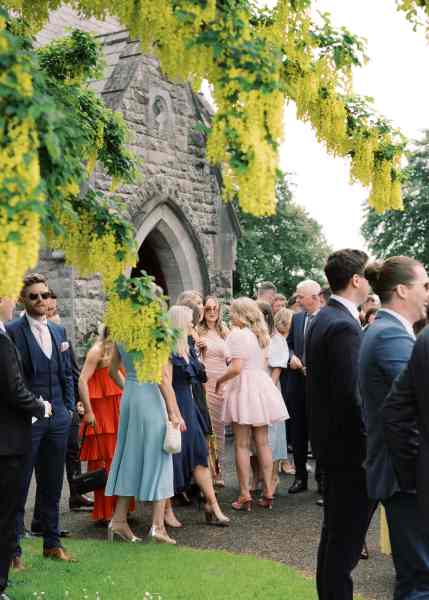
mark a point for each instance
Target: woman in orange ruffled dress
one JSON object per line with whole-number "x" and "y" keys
{"x": 96, "y": 386}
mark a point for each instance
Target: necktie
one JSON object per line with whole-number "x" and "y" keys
{"x": 306, "y": 329}
{"x": 44, "y": 338}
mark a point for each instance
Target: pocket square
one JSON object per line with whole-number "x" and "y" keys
{"x": 64, "y": 346}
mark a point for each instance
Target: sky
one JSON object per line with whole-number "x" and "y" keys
{"x": 396, "y": 77}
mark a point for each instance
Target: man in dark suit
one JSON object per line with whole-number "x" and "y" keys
{"x": 405, "y": 417}
{"x": 17, "y": 407}
{"x": 46, "y": 362}
{"x": 336, "y": 426}
{"x": 401, "y": 284}
{"x": 308, "y": 297}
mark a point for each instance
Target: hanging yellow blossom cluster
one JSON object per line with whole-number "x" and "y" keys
{"x": 256, "y": 59}
{"x": 94, "y": 237}
{"x": 21, "y": 195}
{"x": 136, "y": 318}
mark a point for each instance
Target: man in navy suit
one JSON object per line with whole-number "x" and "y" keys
{"x": 402, "y": 285}
{"x": 308, "y": 298}
{"x": 337, "y": 431}
{"x": 46, "y": 363}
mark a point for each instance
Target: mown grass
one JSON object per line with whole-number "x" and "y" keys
{"x": 127, "y": 572}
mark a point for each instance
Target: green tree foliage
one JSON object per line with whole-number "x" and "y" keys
{"x": 284, "y": 248}
{"x": 405, "y": 232}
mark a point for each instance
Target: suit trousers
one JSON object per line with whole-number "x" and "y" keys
{"x": 410, "y": 547}
{"x": 298, "y": 409}
{"x": 49, "y": 445}
{"x": 73, "y": 468}
{"x": 345, "y": 524}
{"x": 11, "y": 476}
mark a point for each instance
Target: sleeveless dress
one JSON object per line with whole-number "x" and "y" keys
{"x": 278, "y": 356}
{"x": 194, "y": 444}
{"x": 251, "y": 398}
{"x": 99, "y": 444}
{"x": 140, "y": 467}
{"x": 215, "y": 359}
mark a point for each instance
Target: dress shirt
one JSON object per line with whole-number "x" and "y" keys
{"x": 351, "y": 306}
{"x": 2, "y": 327}
{"x": 402, "y": 319}
{"x": 40, "y": 330}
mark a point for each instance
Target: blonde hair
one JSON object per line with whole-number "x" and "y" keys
{"x": 180, "y": 318}
{"x": 189, "y": 296}
{"x": 248, "y": 315}
{"x": 283, "y": 318}
{"x": 220, "y": 327}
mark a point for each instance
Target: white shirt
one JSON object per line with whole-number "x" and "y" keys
{"x": 351, "y": 306}
{"x": 39, "y": 328}
{"x": 405, "y": 322}
{"x": 2, "y": 327}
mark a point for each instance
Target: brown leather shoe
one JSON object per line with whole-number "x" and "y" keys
{"x": 58, "y": 554}
{"x": 17, "y": 565}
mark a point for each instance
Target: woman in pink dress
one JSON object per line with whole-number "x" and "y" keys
{"x": 252, "y": 401}
{"x": 213, "y": 332}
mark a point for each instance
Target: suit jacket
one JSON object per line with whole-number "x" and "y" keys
{"x": 295, "y": 342}
{"x": 385, "y": 350}
{"x": 17, "y": 403}
{"x": 405, "y": 416}
{"x": 337, "y": 430}
{"x": 20, "y": 332}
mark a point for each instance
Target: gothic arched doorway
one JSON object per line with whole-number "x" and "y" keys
{"x": 169, "y": 253}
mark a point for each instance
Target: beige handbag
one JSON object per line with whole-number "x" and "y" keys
{"x": 172, "y": 439}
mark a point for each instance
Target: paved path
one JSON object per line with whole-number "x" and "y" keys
{"x": 289, "y": 533}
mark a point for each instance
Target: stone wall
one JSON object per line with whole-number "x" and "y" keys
{"x": 177, "y": 204}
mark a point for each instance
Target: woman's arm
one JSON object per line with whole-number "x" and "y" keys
{"x": 169, "y": 396}
{"x": 275, "y": 374}
{"x": 114, "y": 370}
{"x": 92, "y": 359}
{"x": 232, "y": 371}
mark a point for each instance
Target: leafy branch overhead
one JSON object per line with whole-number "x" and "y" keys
{"x": 257, "y": 60}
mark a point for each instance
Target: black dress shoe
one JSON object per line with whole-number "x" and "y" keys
{"x": 64, "y": 533}
{"x": 4, "y": 596}
{"x": 299, "y": 485}
{"x": 320, "y": 502}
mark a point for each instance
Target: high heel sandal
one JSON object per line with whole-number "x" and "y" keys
{"x": 155, "y": 535}
{"x": 175, "y": 524}
{"x": 265, "y": 502}
{"x": 244, "y": 504}
{"x": 122, "y": 533}
{"x": 212, "y": 519}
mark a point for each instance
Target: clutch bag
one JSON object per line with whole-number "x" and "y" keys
{"x": 172, "y": 439}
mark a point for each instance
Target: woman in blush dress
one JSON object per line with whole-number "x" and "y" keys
{"x": 141, "y": 468}
{"x": 213, "y": 332}
{"x": 252, "y": 401}
{"x": 192, "y": 461}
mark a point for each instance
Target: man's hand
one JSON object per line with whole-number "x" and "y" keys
{"x": 80, "y": 408}
{"x": 48, "y": 409}
{"x": 295, "y": 363}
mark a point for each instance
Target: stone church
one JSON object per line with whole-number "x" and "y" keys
{"x": 186, "y": 234}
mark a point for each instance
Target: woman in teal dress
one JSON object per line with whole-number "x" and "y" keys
{"x": 140, "y": 467}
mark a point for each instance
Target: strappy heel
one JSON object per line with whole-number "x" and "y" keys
{"x": 244, "y": 504}
{"x": 266, "y": 502}
{"x": 155, "y": 535}
{"x": 121, "y": 533}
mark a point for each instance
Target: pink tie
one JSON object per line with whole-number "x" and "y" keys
{"x": 43, "y": 332}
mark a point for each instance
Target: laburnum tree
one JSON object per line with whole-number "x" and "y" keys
{"x": 406, "y": 232}
{"x": 53, "y": 129}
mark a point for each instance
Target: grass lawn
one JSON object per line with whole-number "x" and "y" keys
{"x": 125, "y": 571}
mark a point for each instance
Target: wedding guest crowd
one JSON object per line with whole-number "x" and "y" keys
{"x": 333, "y": 373}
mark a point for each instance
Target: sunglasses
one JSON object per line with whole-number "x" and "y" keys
{"x": 42, "y": 296}
{"x": 211, "y": 309}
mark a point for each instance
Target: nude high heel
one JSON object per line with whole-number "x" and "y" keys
{"x": 212, "y": 519}
{"x": 122, "y": 533}
{"x": 155, "y": 535}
